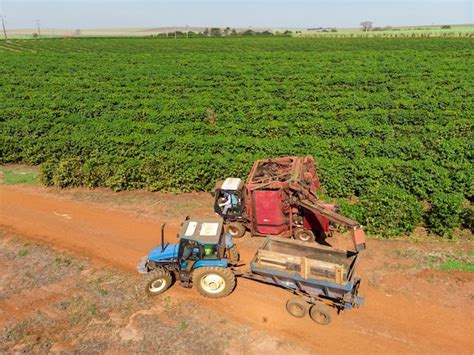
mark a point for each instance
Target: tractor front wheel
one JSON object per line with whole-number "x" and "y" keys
{"x": 214, "y": 281}
{"x": 304, "y": 235}
{"x": 233, "y": 255}
{"x": 157, "y": 281}
{"x": 236, "y": 230}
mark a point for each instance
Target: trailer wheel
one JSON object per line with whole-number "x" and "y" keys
{"x": 296, "y": 307}
{"x": 320, "y": 314}
{"x": 214, "y": 281}
{"x": 304, "y": 235}
{"x": 236, "y": 230}
{"x": 157, "y": 282}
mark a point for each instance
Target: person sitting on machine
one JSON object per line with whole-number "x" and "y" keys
{"x": 226, "y": 203}
{"x": 190, "y": 254}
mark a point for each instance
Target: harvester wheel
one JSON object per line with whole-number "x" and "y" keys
{"x": 296, "y": 307}
{"x": 305, "y": 235}
{"x": 233, "y": 255}
{"x": 236, "y": 230}
{"x": 214, "y": 281}
{"x": 320, "y": 314}
{"x": 157, "y": 282}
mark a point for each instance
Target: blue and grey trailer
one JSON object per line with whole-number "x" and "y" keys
{"x": 320, "y": 277}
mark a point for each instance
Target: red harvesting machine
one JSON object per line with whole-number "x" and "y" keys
{"x": 280, "y": 198}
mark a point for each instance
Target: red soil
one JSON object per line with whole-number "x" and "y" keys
{"x": 395, "y": 322}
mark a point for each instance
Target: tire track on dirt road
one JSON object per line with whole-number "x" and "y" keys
{"x": 386, "y": 324}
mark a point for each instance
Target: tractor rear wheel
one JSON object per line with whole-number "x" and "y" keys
{"x": 157, "y": 281}
{"x": 304, "y": 235}
{"x": 214, "y": 281}
{"x": 320, "y": 314}
{"x": 236, "y": 230}
{"x": 296, "y": 307}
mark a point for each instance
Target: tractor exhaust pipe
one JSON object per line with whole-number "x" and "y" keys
{"x": 163, "y": 236}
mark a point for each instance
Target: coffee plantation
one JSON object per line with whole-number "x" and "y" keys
{"x": 388, "y": 120}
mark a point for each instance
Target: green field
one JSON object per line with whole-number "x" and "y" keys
{"x": 394, "y": 32}
{"x": 388, "y": 120}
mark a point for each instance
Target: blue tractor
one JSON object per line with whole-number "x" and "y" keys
{"x": 202, "y": 258}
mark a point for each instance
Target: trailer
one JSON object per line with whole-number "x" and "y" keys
{"x": 319, "y": 277}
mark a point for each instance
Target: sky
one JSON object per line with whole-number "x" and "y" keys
{"x": 92, "y": 14}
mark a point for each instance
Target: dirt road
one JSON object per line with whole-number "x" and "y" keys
{"x": 389, "y": 323}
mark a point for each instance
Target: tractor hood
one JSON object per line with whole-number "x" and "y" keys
{"x": 168, "y": 254}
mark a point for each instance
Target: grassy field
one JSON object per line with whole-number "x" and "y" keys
{"x": 14, "y": 175}
{"x": 388, "y": 120}
{"x": 403, "y": 31}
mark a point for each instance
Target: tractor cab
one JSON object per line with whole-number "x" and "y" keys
{"x": 229, "y": 198}
{"x": 202, "y": 242}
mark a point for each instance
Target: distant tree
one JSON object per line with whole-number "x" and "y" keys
{"x": 227, "y": 31}
{"x": 35, "y": 35}
{"x": 266, "y": 33}
{"x": 215, "y": 31}
{"x": 366, "y": 26}
{"x": 206, "y": 32}
{"x": 287, "y": 32}
{"x": 248, "y": 32}
{"x": 233, "y": 32}
{"x": 445, "y": 27}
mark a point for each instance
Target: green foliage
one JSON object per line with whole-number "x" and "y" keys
{"x": 390, "y": 211}
{"x": 446, "y": 212}
{"x": 95, "y": 172}
{"x": 468, "y": 218}
{"x": 354, "y": 211}
{"x": 61, "y": 261}
{"x": 23, "y": 252}
{"x": 47, "y": 170}
{"x": 179, "y": 115}
{"x": 183, "y": 325}
{"x": 452, "y": 264}
{"x": 67, "y": 172}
